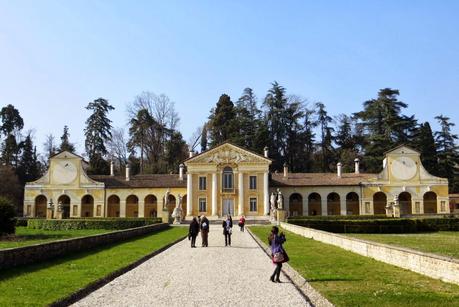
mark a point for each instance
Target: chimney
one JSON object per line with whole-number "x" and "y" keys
{"x": 181, "y": 167}
{"x": 266, "y": 152}
{"x": 128, "y": 172}
{"x": 285, "y": 170}
{"x": 357, "y": 165}
{"x": 191, "y": 153}
{"x": 338, "y": 166}
{"x": 112, "y": 168}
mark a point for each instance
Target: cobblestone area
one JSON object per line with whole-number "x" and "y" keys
{"x": 212, "y": 276}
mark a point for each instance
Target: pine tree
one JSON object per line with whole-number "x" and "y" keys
{"x": 11, "y": 125}
{"x": 65, "y": 141}
{"x": 140, "y": 133}
{"x": 308, "y": 138}
{"x": 425, "y": 143}
{"x": 347, "y": 147}
{"x": 326, "y": 134}
{"x": 448, "y": 152}
{"x": 98, "y": 132}
{"x": 222, "y": 123}
{"x": 29, "y": 167}
{"x": 176, "y": 149}
{"x": 204, "y": 138}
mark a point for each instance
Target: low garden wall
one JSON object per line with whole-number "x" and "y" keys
{"x": 40, "y": 252}
{"x": 443, "y": 268}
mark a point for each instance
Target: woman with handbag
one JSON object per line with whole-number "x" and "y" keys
{"x": 227, "y": 229}
{"x": 279, "y": 255}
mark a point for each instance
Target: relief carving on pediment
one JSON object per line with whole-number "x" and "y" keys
{"x": 227, "y": 156}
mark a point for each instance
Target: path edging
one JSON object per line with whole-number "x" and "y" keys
{"x": 311, "y": 295}
{"x": 88, "y": 289}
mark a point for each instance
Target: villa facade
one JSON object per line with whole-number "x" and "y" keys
{"x": 232, "y": 180}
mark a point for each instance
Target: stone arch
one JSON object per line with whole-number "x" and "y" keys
{"x": 87, "y": 206}
{"x": 315, "y": 204}
{"x": 40, "y": 206}
{"x": 333, "y": 203}
{"x": 113, "y": 206}
{"x": 352, "y": 203}
{"x": 151, "y": 206}
{"x": 171, "y": 204}
{"x": 405, "y": 203}
{"x": 379, "y": 203}
{"x": 64, "y": 202}
{"x": 430, "y": 202}
{"x": 132, "y": 206}
{"x": 295, "y": 204}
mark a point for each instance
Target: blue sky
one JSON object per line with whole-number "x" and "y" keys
{"x": 56, "y": 56}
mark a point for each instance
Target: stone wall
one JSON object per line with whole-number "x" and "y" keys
{"x": 40, "y": 252}
{"x": 434, "y": 266}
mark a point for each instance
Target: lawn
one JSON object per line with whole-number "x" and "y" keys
{"x": 44, "y": 283}
{"x": 25, "y": 236}
{"x": 348, "y": 279}
{"x": 444, "y": 243}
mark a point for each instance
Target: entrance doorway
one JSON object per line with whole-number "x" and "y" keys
{"x": 228, "y": 206}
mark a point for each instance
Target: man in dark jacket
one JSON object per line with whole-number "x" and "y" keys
{"x": 193, "y": 231}
{"x": 204, "y": 231}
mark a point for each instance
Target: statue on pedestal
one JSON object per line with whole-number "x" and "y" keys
{"x": 177, "y": 214}
{"x": 273, "y": 210}
{"x": 166, "y": 200}
{"x": 280, "y": 200}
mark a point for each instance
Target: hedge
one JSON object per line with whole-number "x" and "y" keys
{"x": 380, "y": 225}
{"x": 109, "y": 224}
{"x": 7, "y": 216}
{"x": 340, "y": 217}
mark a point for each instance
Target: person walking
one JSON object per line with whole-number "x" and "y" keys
{"x": 279, "y": 255}
{"x": 204, "y": 231}
{"x": 227, "y": 229}
{"x": 242, "y": 223}
{"x": 193, "y": 231}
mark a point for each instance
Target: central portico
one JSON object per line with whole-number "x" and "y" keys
{"x": 227, "y": 180}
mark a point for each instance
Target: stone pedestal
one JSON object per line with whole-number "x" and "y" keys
{"x": 165, "y": 217}
{"x": 396, "y": 211}
{"x": 49, "y": 214}
{"x": 281, "y": 215}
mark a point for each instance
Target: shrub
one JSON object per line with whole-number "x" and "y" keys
{"x": 106, "y": 223}
{"x": 340, "y": 217}
{"x": 21, "y": 221}
{"x": 7, "y": 216}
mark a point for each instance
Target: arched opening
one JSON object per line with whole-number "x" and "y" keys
{"x": 430, "y": 202}
{"x": 295, "y": 204}
{"x": 405, "y": 203}
{"x": 63, "y": 202}
{"x": 113, "y": 206}
{"x": 379, "y": 203}
{"x": 315, "y": 204}
{"x": 184, "y": 199}
{"x": 171, "y": 204}
{"x": 40, "y": 206}
{"x": 333, "y": 204}
{"x": 352, "y": 203}
{"x": 151, "y": 206}
{"x": 87, "y": 206}
{"x": 227, "y": 179}
{"x": 132, "y": 206}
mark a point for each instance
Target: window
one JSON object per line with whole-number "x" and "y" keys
{"x": 202, "y": 183}
{"x": 253, "y": 204}
{"x": 202, "y": 205}
{"x": 253, "y": 182}
{"x": 227, "y": 179}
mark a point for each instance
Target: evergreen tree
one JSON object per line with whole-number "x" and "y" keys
{"x": 308, "y": 138}
{"x": 97, "y": 133}
{"x": 326, "y": 134}
{"x": 295, "y": 144}
{"x": 204, "y": 138}
{"x": 139, "y": 133}
{"x": 222, "y": 123}
{"x": 346, "y": 150}
{"x": 65, "y": 141}
{"x": 11, "y": 125}
{"x": 176, "y": 151}
{"x": 29, "y": 167}
{"x": 448, "y": 152}
{"x": 425, "y": 143}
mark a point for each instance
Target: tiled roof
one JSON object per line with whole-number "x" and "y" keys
{"x": 142, "y": 181}
{"x": 318, "y": 179}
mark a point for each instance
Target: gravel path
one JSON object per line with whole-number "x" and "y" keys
{"x": 212, "y": 276}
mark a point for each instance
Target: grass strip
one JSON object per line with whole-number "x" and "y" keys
{"x": 348, "y": 279}
{"x": 44, "y": 283}
{"x": 26, "y": 236}
{"x": 444, "y": 243}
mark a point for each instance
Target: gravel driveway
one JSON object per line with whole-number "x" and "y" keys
{"x": 212, "y": 276}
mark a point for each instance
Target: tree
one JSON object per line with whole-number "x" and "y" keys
{"x": 176, "y": 151}
{"x": 326, "y": 134}
{"x": 204, "y": 138}
{"x": 425, "y": 143}
{"x": 117, "y": 148}
{"x": 49, "y": 147}
{"x": 29, "y": 168}
{"x": 65, "y": 141}
{"x": 12, "y": 124}
{"x": 222, "y": 124}
{"x": 247, "y": 119}
{"x": 308, "y": 138}
{"x": 97, "y": 133}
{"x": 448, "y": 152}
{"x": 10, "y": 186}
{"x": 7, "y": 216}
{"x": 347, "y": 145}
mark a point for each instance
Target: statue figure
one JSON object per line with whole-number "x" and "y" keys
{"x": 166, "y": 199}
{"x": 177, "y": 214}
{"x": 280, "y": 200}
{"x": 273, "y": 207}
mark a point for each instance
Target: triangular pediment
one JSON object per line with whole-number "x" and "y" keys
{"x": 227, "y": 154}
{"x": 402, "y": 150}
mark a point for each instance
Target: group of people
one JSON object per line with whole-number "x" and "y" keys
{"x": 201, "y": 224}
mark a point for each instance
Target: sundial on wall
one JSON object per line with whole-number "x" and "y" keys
{"x": 403, "y": 168}
{"x": 64, "y": 172}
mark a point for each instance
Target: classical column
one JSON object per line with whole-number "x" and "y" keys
{"x": 305, "y": 206}
{"x": 266, "y": 192}
{"x": 189, "y": 193}
{"x": 324, "y": 204}
{"x": 214, "y": 194}
{"x": 342, "y": 205}
{"x": 123, "y": 208}
{"x": 240, "y": 210}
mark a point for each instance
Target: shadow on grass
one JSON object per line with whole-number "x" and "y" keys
{"x": 18, "y": 271}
